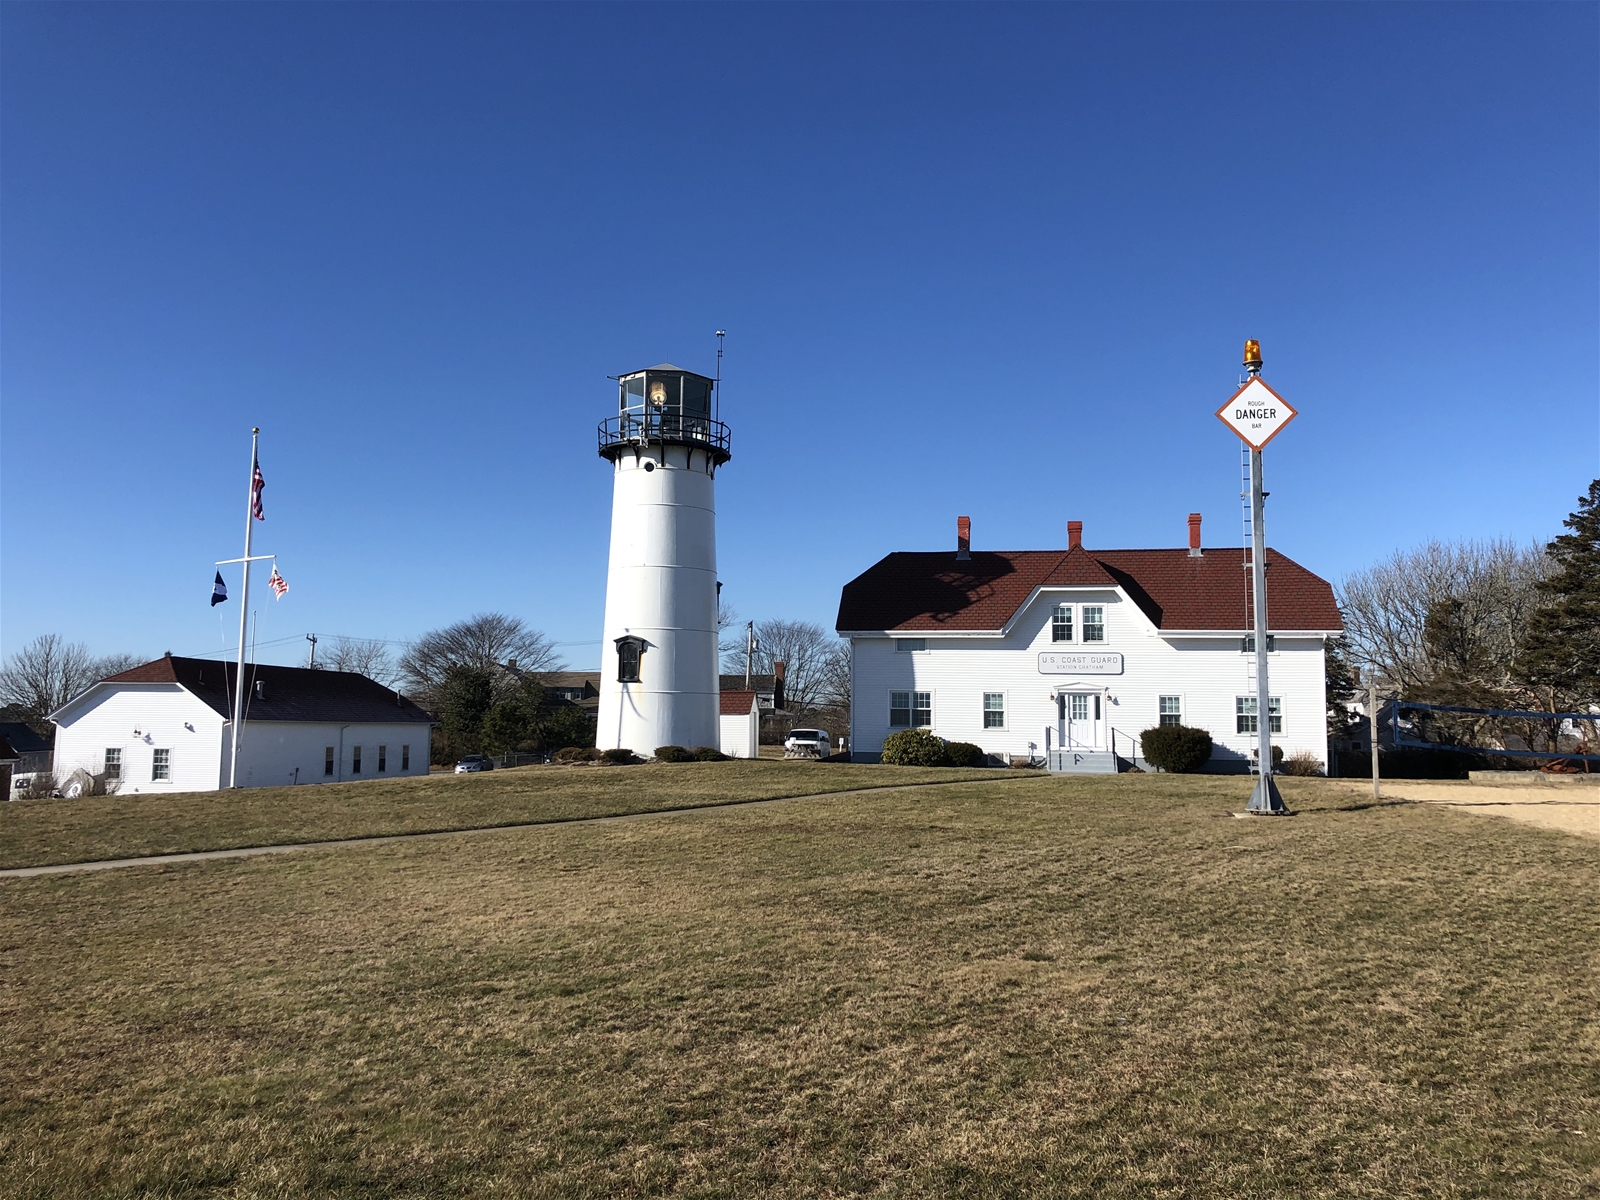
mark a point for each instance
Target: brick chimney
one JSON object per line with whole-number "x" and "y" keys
{"x": 1074, "y": 535}
{"x": 777, "y": 684}
{"x": 1194, "y": 535}
{"x": 963, "y": 538}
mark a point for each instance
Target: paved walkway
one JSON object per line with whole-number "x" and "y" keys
{"x": 158, "y": 860}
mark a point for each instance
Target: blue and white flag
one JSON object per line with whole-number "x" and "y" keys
{"x": 219, "y": 591}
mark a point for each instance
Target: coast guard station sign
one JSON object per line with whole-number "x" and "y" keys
{"x": 1060, "y": 663}
{"x": 1256, "y": 413}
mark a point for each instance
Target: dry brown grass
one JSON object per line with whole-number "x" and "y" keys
{"x": 38, "y": 833}
{"x": 1090, "y": 987}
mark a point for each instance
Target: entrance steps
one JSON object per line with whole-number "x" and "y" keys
{"x": 1085, "y": 762}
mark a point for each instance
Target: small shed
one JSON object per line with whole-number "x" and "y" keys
{"x": 741, "y": 724}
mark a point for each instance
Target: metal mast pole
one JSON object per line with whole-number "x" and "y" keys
{"x": 244, "y": 612}
{"x": 1265, "y": 798}
{"x": 1372, "y": 723}
{"x": 749, "y": 652}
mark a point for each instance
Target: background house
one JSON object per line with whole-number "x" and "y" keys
{"x": 166, "y": 726}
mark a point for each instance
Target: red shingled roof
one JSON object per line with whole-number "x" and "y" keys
{"x": 738, "y": 704}
{"x": 917, "y": 593}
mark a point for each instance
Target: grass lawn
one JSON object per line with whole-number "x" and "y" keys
{"x": 1067, "y": 987}
{"x": 40, "y": 832}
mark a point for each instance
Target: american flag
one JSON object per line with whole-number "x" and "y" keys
{"x": 256, "y": 484}
{"x": 277, "y": 583}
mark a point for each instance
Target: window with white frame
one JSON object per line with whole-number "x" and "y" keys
{"x": 1077, "y": 707}
{"x": 161, "y": 765}
{"x": 1245, "y": 713}
{"x": 383, "y": 758}
{"x": 909, "y": 645}
{"x": 355, "y": 761}
{"x": 910, "y": 710}
{"x": 1061, "y": 623}
{"x": 405, "y": 758}
{"x": 113, "y": 762}
{"x": 1094, "y": 623}
{"x": 1247, "y": 644}
{"x": 1171, "y": 710}
{"x": 327, "y": 761}
{"x": 994, "y": 710}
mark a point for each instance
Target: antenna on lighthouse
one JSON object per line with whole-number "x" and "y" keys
{"x": 721, "y": 333}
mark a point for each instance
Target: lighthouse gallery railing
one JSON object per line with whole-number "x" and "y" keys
{"x": 634, "y": 429}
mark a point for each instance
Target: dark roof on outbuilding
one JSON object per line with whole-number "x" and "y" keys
{"x": 288, "y": 693}
{"x": 23, "y": 738}
{"x": 936, "y": 592}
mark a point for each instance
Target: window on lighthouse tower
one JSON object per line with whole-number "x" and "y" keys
{"x": 629, "y": 650}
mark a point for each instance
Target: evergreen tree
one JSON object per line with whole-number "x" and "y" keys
{"x": 1562, "y": 651}
{"x": 464, "y": 700}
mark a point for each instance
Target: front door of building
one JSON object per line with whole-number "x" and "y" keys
{"x": 1078, "y": 720}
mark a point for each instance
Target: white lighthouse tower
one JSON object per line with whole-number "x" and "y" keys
{"x": 658, "y": 681}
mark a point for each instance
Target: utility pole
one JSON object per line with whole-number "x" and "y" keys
{"x": 311, "y": 658}
{"x": 749, "y": 652}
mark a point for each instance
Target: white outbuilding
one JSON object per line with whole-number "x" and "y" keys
{"x": 741, "y": 723}
{"x": 166, "y": 726}
{"x": 1071, "y": 654}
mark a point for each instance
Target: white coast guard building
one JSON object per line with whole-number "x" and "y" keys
{"x": 165, "y": 727}
{"x": 1072, "y": 653}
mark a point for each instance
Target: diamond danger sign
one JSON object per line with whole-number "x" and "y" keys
{"x": 1256, "y": 413}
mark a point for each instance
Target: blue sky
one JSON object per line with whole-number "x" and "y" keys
{"x": 993, "y": 260}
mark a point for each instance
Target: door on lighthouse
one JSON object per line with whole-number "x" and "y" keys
{"x": 1078, "y": 720}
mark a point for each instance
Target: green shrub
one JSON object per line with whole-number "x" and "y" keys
{"x": 1176, "y": 748}
{"x": 964, "y": 754}
{"x": 620, "y": 757}
{"x": 913, "y": 748}
{"x": 710, "y": 754}
{"x": 577, "y": 754}
{"x": 674, "y": 754}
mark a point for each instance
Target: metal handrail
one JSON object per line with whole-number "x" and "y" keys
{"x": 664, "y": 428}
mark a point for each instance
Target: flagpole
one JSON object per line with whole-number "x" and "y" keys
{"x": 244, "y": 611}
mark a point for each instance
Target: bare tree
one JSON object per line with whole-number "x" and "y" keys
{"x": 835, "y": 690}
{"x": 369, "y": 657}
{"x": 45, "y": 674}
{"x": 1489, "y": 588}
{"x": 730, "y": 634}
{"x": 115, "y": 664}
{"x": 804, "y": 649}
{"x": 486, "y": 641}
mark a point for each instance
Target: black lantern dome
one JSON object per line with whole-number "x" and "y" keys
{"x": 664, "y": 405}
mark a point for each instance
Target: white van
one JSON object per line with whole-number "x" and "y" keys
{"x": 800, "y": 741}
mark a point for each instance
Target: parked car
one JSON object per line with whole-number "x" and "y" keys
{"x": 803, "y": 740}
{"x": 473, "y": 763}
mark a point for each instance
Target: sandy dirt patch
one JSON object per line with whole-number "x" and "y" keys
{"x": 1572, "y": 808}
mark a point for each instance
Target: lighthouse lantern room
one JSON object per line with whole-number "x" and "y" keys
{"x": 659, "y": 683}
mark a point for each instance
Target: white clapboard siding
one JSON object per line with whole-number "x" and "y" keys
{"x": 140, "y": 719}
{"x": 1208, "y": 673}
{"x": 279, "y": 753}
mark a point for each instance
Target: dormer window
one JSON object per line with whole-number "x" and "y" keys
{"x": 629, "y": 651}
{"x": 1061, "y": 623}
